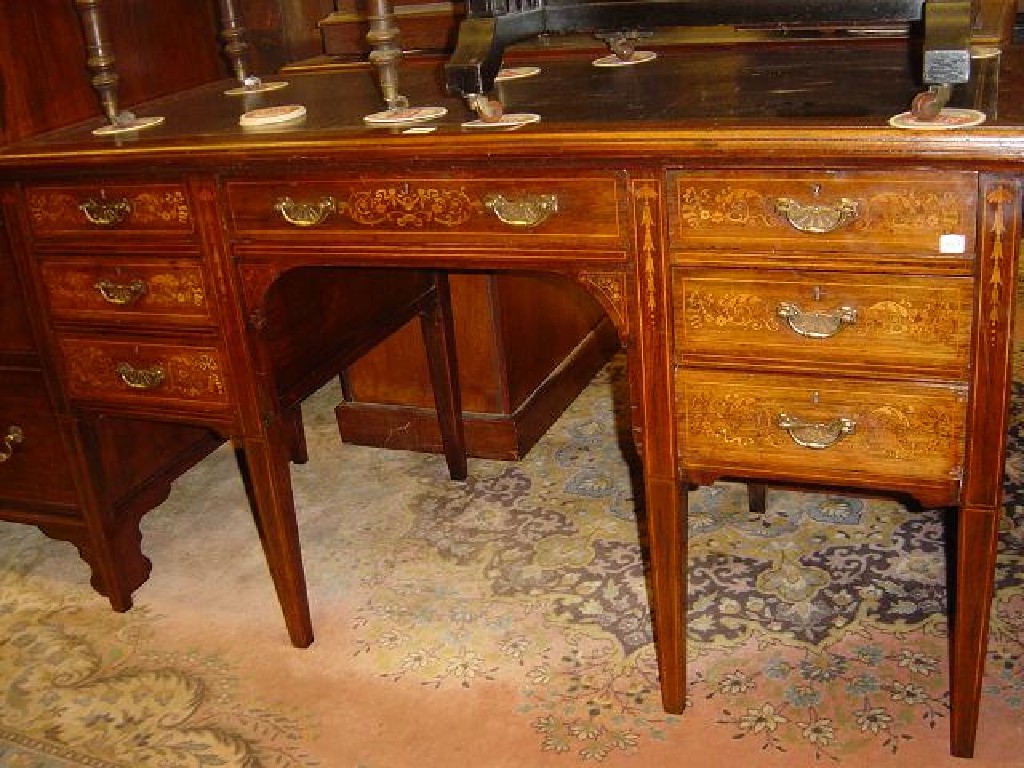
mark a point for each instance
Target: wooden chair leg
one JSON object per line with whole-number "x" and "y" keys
{"x": 757, "y": 498}
{"x": 297, "y": 451}
{"x": 439, "y": 339}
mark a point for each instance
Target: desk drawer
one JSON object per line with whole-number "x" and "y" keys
{"x": 119, "y": 290}
{"x": 33, "y": 462}
{"x": 140, "y": 373}
{"x": 922, "y": 213}
{"x": 849, "y": 429}
{"x": 915, "y": 323}
{"x": 102, "y": 209}
{"x": 585, "y": 211}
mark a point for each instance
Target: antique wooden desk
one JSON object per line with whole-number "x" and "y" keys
{"x": 806, "y": 294}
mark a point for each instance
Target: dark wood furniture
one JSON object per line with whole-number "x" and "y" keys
{"x": 805, "y": 294}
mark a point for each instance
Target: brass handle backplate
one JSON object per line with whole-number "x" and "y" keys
{"x": 141, "y": 378}
{"x": 816, "y": 325}
{"x": 305, "y": 214}
{"x": 816, "y": 435}
{"x": 15, "y": 436}
{"x": 121, "y": 293}
{"x": 815, "y": 218}
{"x": 105, "y": 213}
{"x": 528, "y": 211}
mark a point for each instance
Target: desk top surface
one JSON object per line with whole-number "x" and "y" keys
{"x": 829, "y": 98}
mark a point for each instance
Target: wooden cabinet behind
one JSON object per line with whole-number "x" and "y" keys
{"x": 527, "y": 345}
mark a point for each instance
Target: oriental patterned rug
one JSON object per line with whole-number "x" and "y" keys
{"x": 502, "y": 622}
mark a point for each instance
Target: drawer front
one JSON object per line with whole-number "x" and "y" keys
{"x": 585, "y": 211}
{"x": 103, "y": 209}
{"x": 33, "y": 463}
{"x": 168, "y": 292}
{"x": 815, "y": 429}
{"x": 825, "y": 318}
{"x": 922, "y": 213}
{"x": 144, "y": 373}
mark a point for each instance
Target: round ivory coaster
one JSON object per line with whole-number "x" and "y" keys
{"x": 511, "y": 120}
{"x": 405, "y": 115}
{"x": 127, "y": 126}
{"x": 272, "y": 115}
{"x": 256, "y": 87}
{"x": 638, "y": 57}
{"x": 515, "y": 73}
{"x": 947, "y": 119}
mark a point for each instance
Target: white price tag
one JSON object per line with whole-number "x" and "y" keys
{"x": 952, "y": 243}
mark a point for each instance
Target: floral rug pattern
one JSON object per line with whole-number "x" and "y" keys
{"x": 816, "y": 629}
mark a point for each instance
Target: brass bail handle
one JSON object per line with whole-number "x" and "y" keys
{"x": 527, "y": 211}
{"x": 308, "y": 214}
{"x": 816, "y": 218}
{"x": 816, "y": 435}
{"x": 15, "y": 436}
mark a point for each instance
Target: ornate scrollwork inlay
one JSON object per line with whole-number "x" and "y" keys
{"x": 172, "y": 290}
{"x": 707, "y": 208}
{"x": 98, "y": 371}
{"x": 934, "y": 318}
{"x": 611, "y": 290}
{"x": 897, "y": 431}
{"x": 54, "y": 209}
{"x": 406, "y": 206}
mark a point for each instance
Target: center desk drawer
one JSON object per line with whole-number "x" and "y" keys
{"x": 162, "y": 291}
{"x": 102, "y": 209}
{"x": 813, "y": 428}
{"x": 825, "y": 318}
{"x": 586, "y": 211}
{"x": 139, "y": 373}
{"x": 909, "y": 212}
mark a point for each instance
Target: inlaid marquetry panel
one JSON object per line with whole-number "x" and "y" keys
{"x": 866, "y": 430}
{"x": 584, "y": 211}
{"x": 162, "y": 292}
{"x": 126, "y": 372}
{"x": 825, "y": 318}
{"x": 108, "y": 208}
{"x": 925, "y": 213}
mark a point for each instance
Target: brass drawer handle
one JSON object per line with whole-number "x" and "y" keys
{"x": 816, "y": 325}
{"x": 121, "y": 293}
{"x": 105, "y": 213}
{"x": 15, "y": 436}
{"x": 141, "y": 378}
{"x": 814, "y": 218}
{"x": 305, "y": 214}
{"x": 528, "y": 211}
{"x": 817, "y": 435}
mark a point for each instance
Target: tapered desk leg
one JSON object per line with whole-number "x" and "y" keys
{"x": 666, "y": 525}
{"x": 977, "y": 536}
{"x": 439, "y": 339}
{"x": 264, "y": 465}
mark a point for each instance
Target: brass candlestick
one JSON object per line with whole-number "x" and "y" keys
{"x": 236, "y": 48}
{"x": 383, "y": 38}
{"x": 100, "y": 62}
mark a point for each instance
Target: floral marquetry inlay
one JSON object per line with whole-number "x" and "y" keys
{"x": 170, "y": 290}
{"x": 61, "y": 208}
{"x": 933, "y": 319}
{"x": 190, "y": 374}
{"x": 903, "y": 212}
{"x": 413, "y": 207}
{"x": 908, "y": 431}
